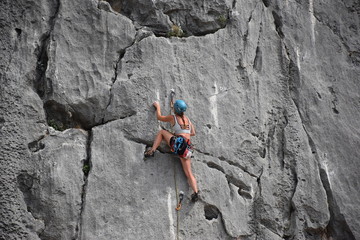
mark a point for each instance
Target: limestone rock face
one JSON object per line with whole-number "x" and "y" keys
{"x": 53, "y": 189}
{"x": 272, "y": 88}
{"x": 192, "y": 17}
{"x": 69, "y": 64}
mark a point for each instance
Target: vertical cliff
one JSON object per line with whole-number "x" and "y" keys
{"x": 272, "y": 87}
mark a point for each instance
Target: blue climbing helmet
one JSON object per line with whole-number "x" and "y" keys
{"x": 180, "y": 106}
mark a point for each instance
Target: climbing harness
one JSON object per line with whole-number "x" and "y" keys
{"x": 181, "y": 146}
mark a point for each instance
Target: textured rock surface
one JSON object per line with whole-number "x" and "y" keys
{"x": 52, "y": 191}
{"x": 71, "y": 61}
{"x": 193, "y": 17}
{"x": 272, "y": 88}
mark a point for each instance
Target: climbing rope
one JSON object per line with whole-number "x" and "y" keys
{"x": 177, "y": 199}
{"x": 172, "y": 94}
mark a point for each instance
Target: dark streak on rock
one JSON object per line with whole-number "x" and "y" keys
{"x": 334, "y": 101}
{"x": 2, "y": 122}
{"x": 278, "y": 24}
{"x": 234, "y": 4}
{"x": 258, "y": 59}
{"x": 337, "y": 227}
{"x": 215, "y": 166}
{"x": 42, "y": 85}
{"x": 266, "y": 2}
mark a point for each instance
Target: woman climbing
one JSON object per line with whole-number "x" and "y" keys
{"x": 178, "y": 142}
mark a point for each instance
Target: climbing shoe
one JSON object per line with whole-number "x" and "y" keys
{"x": 195, "y": 197}
{"x": 149, "y": 153}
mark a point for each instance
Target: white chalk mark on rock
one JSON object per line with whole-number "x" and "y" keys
{"x": 325, "y": 166}
{"x": 298, "y": 58}
{"x": 171, "y": 218}
{"x": 312, "y": 19}
{"x": 157, "y": 95}
{"x": 213, "y": 105}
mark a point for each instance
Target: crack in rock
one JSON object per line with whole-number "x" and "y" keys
{"x": 258, "y": 180}
{"x": 141, "y": 34}
{"x": 117, "y": 69}
{"x": 278, "y": 24}
{"x": 42, "y": 85}
{"x": 58, "y": 116}
{"x": 87, "y": 165}
{"x": 113, "y": 80}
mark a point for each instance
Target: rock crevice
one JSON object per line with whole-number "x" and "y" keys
{"x": 42, "y": 84}
{"x": 86, "y": 168}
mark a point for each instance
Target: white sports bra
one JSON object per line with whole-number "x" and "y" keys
{"x": 177, "y": 128}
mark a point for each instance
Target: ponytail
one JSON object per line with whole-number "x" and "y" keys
{"x": 182, "y": 115}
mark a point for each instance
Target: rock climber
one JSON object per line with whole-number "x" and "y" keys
{"x": 179, "y": 142}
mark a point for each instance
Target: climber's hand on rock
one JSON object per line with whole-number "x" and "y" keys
{"x": 156, "y": 105}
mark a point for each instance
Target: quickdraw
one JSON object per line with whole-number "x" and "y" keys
{"x": 181, "y": 197}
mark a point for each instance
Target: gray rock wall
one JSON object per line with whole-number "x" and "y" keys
{"x": 272, "y": 88}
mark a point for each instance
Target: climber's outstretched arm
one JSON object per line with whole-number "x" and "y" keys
{"x": 168, "y": 118}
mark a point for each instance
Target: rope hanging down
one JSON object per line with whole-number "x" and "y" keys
{"x": 179, "y": 196}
